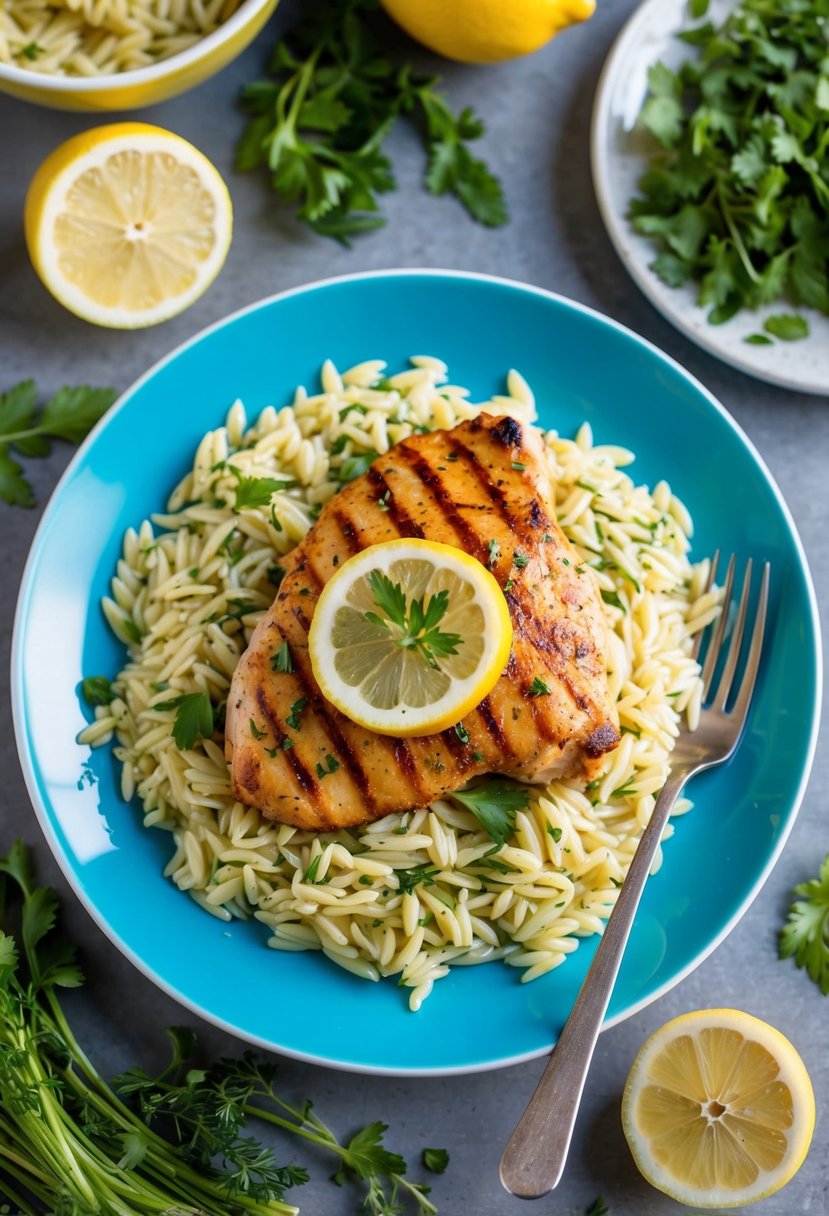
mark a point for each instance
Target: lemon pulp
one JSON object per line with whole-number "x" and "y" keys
{"x": 380, "y": 669}
{"x": 718, "y": 1109}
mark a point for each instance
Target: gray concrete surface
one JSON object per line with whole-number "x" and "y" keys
{"x": 538, "y": 114}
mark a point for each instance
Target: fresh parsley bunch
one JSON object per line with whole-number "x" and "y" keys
{"x": 320, "y": 124}
{"x": 738, "y": 197}
{"x": 178, "y": 1142}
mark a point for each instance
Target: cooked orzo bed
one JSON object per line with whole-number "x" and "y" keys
{"x": 410, "y": 894}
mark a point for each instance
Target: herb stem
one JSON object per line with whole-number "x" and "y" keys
{"x": 735, "y": 233}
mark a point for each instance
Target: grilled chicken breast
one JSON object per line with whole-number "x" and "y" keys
{"x": 484, "y": 487}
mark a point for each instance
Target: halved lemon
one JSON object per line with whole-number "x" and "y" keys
{"x": 127, "y": 224}
{"x": 408, "y": 636}
{"x": 718, "y": 1109}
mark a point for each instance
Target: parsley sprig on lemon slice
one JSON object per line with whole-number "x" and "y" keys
{"x": 408, "y": 636}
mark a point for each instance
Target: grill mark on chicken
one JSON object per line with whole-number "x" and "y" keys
{"x": 304, "y": 779}
{"x": 402, "y": 754}
{"x": 537, "y": 517}
{"x": 483, "y": 473}
{"x": 395, "y": 513}
{"x": 484, "y": 712}
{"x": 349, "y": 532}
{"x": 461, "y": 751}
{"x": 430, "y": 477}
{"x": 339, "y": 742}
{"x": 554, "y": 657}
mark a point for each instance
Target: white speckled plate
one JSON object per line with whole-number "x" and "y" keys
{"x": 619, "y": 156}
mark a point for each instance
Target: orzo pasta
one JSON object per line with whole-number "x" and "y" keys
{"x": 414, "y": 893}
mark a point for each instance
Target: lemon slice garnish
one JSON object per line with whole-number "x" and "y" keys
{"x": 127, "y": 224}
{"x": 408, "y": 636}
{"x": 718, "y": 1109}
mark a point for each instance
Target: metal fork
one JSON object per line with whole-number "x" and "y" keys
{"x": 534, "y": 1158}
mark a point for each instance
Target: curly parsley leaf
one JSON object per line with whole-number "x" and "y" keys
{"x": 805, "y": 936}
{"x": 736, "y": 195}
{"x": 319, "y": 125}
{"x": 68, "y": 415}
{"x": 494, "y": 804}
{"x": 193, "y": 720}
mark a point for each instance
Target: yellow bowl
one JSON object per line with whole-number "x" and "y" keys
{"x": 143, "y": 86}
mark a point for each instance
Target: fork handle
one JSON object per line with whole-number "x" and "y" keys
{"x": 534, "y": 1158}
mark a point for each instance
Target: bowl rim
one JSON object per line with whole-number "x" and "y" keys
{"x": 17, "y": 700}
{"x": 54, "y": 83}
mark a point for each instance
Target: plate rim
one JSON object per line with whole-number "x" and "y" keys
{"x": 17, "y": 698}
{"x": 616, "y": 225}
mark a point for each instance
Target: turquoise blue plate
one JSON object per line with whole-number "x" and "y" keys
{"x": 582, "y": 366}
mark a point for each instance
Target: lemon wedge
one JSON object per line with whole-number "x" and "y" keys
{"x": 127, "y": 224}
{"x": 718, "y": 1109}
{"x": 408, "y": 636}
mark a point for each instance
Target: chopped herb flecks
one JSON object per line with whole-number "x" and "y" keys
{"x": 281, "y": 659}
{"x": 296, "y": 712}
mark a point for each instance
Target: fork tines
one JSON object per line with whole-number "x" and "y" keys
{"x": 718, "y": 697}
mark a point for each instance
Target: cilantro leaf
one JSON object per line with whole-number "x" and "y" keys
{"x": 805, "y": 936}
{"x": 193, "y": 720}
{"x": 494, "y": 803}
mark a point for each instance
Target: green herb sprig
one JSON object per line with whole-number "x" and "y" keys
{"x": 494, "y": 804}
{"x": 737, "y": 199}
{"x": 413, "y": 623}
{"x": 69, "y": 415}
{"x": 318, "y": 126}
{"x": 805, "y": 936}
{"x": 178, "y": 1142}
{"x": 194, "y": 718}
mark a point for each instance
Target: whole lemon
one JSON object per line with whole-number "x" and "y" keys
{"x": 483, "y": 31}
